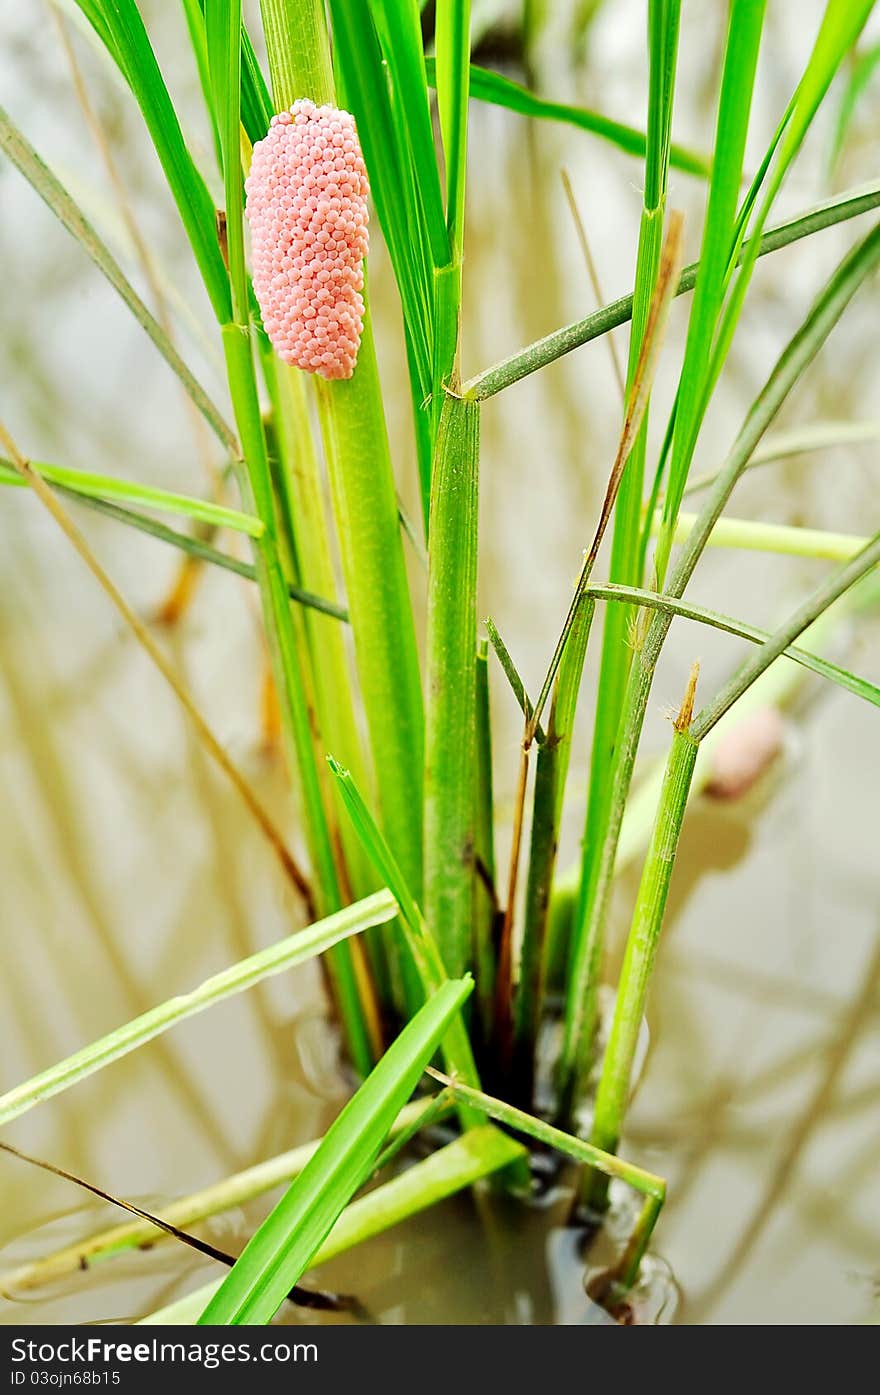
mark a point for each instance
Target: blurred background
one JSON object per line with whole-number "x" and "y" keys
{"x": 128, "y": 868}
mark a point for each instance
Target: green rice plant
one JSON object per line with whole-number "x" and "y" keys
{"x": 392, "y": 766}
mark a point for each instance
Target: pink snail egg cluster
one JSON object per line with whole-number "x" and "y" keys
{"x": 307, "y": 208}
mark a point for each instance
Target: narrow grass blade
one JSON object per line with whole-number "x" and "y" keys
{"x": 718, "y": 247}
{"x": 553, "y": 346}
{"x": 648, "y": 1184}
{"x": 288, "y": 1239}
{"x": 501, "y": 91}
{"x": 193, "y": 546}
{"x": 292, "y": 950}
{"x": 53, "y": 193}
{"x": 626, "y": 561}
{"x": 857, "y": 83}
{"x": 782, "y": 445}
{"x": 824, "y": 596}
{"x": 130, "y": 47}
{"x": 841, "y": 25}
{"x": 194, "y": 14}
{"x": 670, "y": 606}
{"x": 637, "y": 401}
{"x": 223, "y": 42}
{"x": 512, "y": 674}
{"x": 97, "y": 486}
{"x": 422, "y": 943}
{"x": 452, "y": 77}
{"x": 467, "y": 1160}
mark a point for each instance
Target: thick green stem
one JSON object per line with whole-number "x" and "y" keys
{"x": 350, "y": 986}
{"x": 315, "y": 572}
{"x": 299, "y": 54}
{"x": 451, "y": 713}
{"x": 365, "y": 499}
{"x": 255, "y": 484}
{"x": 641, "y": 950}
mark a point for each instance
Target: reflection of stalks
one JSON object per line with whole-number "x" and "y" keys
{"x": 183, "y": 587}
{"x": 837, "y": 1055}
{"x": 223, "y": 871}
{"x": 145, "y": 639}
{"x": 70, "y": 849}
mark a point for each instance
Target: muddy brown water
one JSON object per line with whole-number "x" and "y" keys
{"x": 129, "y": 872}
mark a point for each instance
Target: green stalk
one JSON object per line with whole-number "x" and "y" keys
{"x": 625, "y": 565}
{"x": 352, "y": 995}
{"x": 641, "y": 950}
{"x": 550, "y": 776}
{"x": 588, "y": 940}
{"x": 485, "y": 900}
{"x": 299, "y": 54}
{"x": 632, "y": 990}
{"x": 356, "y": 443}
{"x": 452, "y": 43}
{"x": 450, "y": 736}
{"x": 335, "y": 713}
{"x": 722, "y": 237}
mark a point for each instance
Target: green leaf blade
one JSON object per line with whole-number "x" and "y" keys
{"x": 285, "y": 1243}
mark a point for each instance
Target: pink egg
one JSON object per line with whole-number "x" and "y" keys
{"x": 307, "y": 208}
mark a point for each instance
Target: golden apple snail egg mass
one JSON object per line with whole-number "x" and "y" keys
{"x": 307, "y": 209}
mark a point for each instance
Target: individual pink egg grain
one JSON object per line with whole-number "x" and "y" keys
{"x": 745, "y": 751}
{"x": 307, "y": 208}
